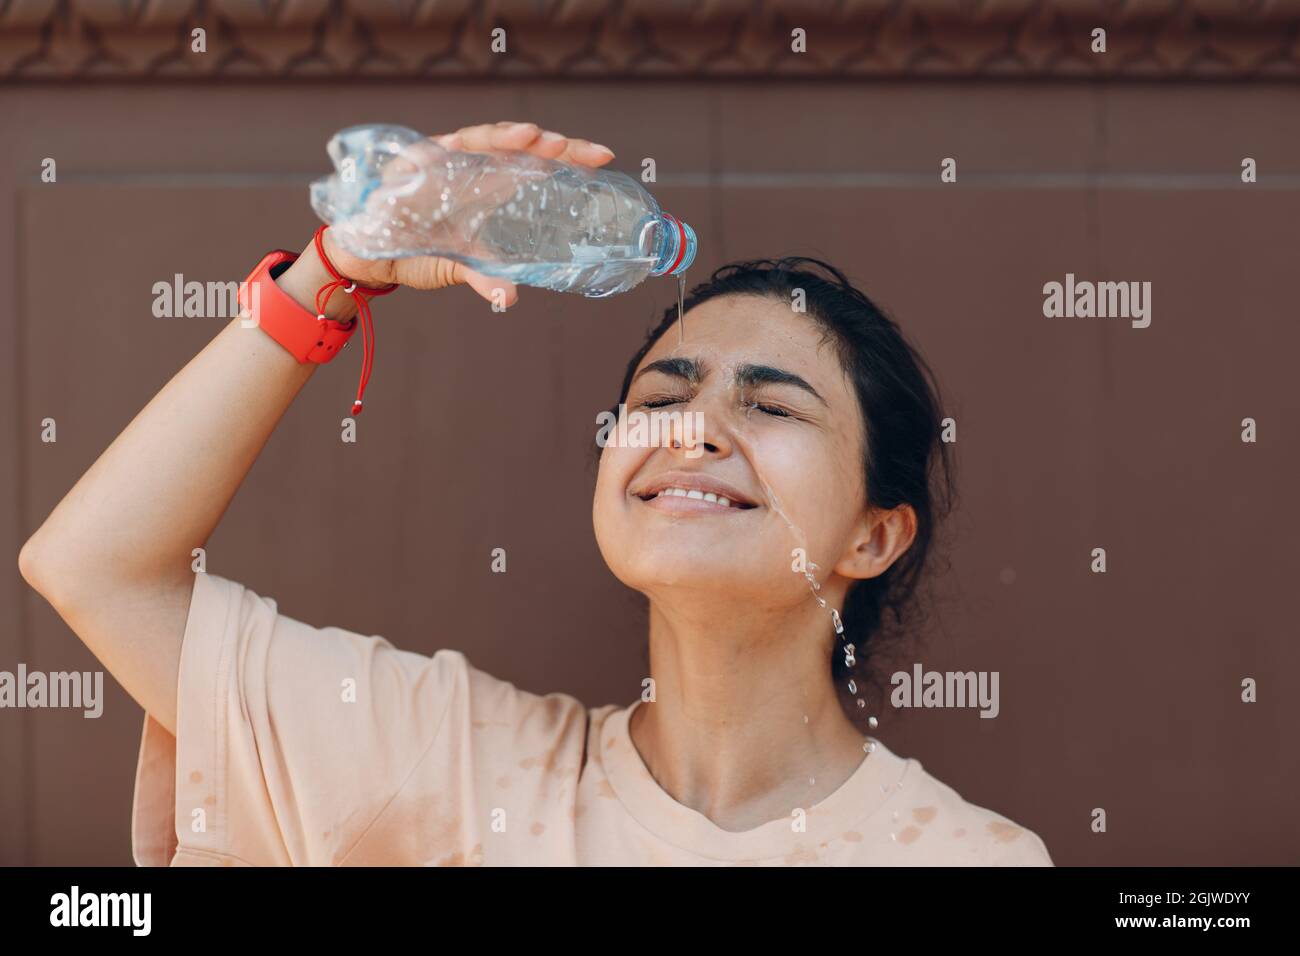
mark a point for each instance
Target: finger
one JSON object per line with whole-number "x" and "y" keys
{"x": 498, "y": 136}
{"x": 549, "y": 145}
{"x": 585, "y": 153}
{"x": 493, "y": 288}
{"x": 528, "y": 136}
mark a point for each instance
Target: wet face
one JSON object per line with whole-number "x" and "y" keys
{"x": 776, "y": 463}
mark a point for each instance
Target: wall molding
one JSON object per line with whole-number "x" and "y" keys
{"x": 51, "y": 40}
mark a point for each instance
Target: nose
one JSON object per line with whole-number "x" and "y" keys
{"x": 706, "y": 429}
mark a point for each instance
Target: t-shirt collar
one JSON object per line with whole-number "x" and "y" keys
{"x": 873, "y": 784}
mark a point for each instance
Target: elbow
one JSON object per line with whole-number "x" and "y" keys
{"x": 30, "y": 563}
{"x": 36, "y": 565}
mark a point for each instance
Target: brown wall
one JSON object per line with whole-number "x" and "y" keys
{"x": 1118, "y": 691}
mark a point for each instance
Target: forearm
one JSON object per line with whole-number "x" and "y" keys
{"x": 160, "y": 488}
{"x": 114, "y": 558}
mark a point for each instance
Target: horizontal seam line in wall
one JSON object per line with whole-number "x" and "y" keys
{"x": 811, "y": 180}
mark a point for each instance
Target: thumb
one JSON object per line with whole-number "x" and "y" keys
{"x": 493, "y": 288}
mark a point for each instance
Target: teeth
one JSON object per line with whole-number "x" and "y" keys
{"x": 697, "y": 495}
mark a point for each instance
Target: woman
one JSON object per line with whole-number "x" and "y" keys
{"x": 807, "y": 499}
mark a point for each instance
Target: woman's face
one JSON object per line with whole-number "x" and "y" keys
{"x": 781, "y": 436}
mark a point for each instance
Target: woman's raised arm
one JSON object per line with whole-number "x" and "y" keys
{"x": 114, "y": 558}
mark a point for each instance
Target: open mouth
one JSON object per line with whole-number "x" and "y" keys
{"x": 694, "y": 494}
{"x": 686, "y": 493}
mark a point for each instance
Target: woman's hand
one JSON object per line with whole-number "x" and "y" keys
{"x": 433, "y": 272}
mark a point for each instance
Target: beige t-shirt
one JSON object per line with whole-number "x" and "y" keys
{"x": 299, "y": 745}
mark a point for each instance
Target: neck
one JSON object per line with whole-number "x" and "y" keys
{"x": 746, "y": 724}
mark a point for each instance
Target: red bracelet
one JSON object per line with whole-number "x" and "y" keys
{"x": 308, "y": 337}
{"x": 362, "y": 296}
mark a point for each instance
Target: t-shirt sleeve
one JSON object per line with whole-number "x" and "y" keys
{"x": 290, "y": 741}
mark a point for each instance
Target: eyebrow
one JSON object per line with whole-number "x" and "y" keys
{"x": 684, "y": 368}
{"x": 747, "y": 375}
{"x": 767, "y": 375}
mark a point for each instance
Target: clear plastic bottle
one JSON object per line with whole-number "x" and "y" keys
{"x": 396, "y": 193}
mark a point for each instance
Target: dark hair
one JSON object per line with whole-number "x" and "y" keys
{"x": 905, "y": 460}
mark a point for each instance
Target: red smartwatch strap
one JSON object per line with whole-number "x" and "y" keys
{"x": 308, "y": 337}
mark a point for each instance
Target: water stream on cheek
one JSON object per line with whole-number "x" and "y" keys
{"x": 746, "y": 441}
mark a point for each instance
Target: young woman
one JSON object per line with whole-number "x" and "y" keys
{"x": 774, "y": 550}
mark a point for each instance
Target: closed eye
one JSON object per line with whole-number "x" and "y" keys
{"x": 774, "y": 410}
{"x": 662, "y": 401}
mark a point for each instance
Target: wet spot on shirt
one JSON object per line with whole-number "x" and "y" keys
{"x": 1004, "y": 832}
{"x": 605, "y": 790}
{"x": 800, "y": 855}
{"x": 546, "y": 762}
{"x": 196, "y": 777}
{"x": 210, "y": 800}
{"x": 503, "y": 781}
{"x": 909, "y": 835}
{"x": 478, "y": 724}
{"x": 959, "y": 832}
{"x": 852, "y": 836}
{"x": 415, "y": 828}
{"x": 924, "y": 815}
{"x": 537, "y": 829}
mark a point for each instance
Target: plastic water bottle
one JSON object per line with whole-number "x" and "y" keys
{"x": 396, "y": 193}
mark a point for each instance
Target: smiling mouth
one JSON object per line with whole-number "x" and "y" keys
{"x": 680, "y": 496}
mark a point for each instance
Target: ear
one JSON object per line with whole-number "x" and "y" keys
{"x": 881, "y": 538}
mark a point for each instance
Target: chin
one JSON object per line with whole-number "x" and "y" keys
{"x": 728, "y": 574}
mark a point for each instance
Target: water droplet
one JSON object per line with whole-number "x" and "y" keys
{"x": 873, "y": 723}
{"x": 861, "y": 703}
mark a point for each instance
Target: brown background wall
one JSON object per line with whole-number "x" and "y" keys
{"x": 1118, "y": 691}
